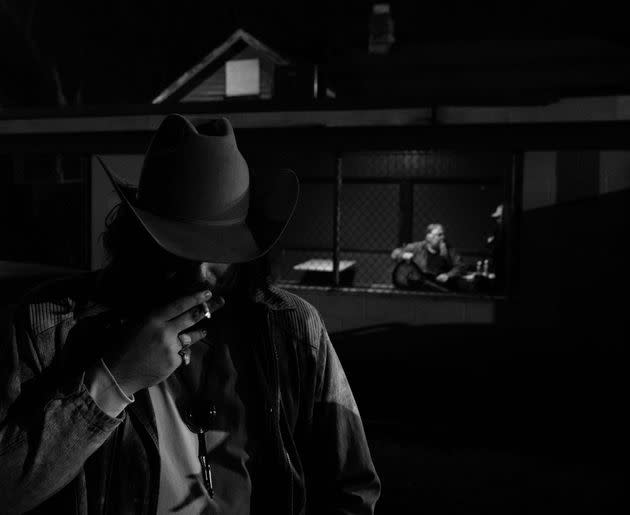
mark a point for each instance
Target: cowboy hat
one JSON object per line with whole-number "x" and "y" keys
{"x": 198, "y": 200}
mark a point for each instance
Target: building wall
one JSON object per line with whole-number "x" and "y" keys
{"x": 539, "y": 180}
{"x": 573, "y": 232}
{"x": 33, "y": 186}
{"x": 614, "y": 171}
{"x": 213, "y": 88}
{"x": 345, "y": 311}
{"x": 541, "y": 176}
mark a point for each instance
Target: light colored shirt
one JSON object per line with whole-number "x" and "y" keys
{"x": 181, "y": 485}
{"x": 182, "y": 490}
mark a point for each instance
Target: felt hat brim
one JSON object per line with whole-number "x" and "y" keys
{"x": 272, "y": 203}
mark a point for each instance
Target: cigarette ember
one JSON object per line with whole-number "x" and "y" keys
{"x": 206, "y": 310}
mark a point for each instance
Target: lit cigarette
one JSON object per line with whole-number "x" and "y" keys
{"x": 206, "y": 310}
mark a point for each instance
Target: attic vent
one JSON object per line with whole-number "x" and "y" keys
{"x": 242, "y": 77}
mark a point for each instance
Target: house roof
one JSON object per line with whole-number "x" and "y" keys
{"x": 238, "y": 36}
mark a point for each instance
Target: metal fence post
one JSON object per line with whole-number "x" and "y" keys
{"x": 337, "y": 221}
{"x": 405, "y": 206}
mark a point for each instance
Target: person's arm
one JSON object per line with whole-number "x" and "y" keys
{"x": 458, "y": 264}
{"x": 49, "y": 422}
{"x": 341, "y": 474}
{"x": 411, "y": 248}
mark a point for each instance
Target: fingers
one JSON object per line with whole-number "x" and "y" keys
{"x": 197, "y": 313}
{"x": 182, "y": 305}
{"x": 215, "y": 304}
{"x": 185, "y": 355}
{"x": 189, "y": 318}
{"x": 189, "y": 338}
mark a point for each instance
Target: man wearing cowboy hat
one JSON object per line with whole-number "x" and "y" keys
{"x": 178, "y": 379}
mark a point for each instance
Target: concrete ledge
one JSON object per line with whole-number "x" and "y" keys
{"x": 351, "y": 308}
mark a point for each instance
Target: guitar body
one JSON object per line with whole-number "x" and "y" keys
{"x": 408, "y": 276}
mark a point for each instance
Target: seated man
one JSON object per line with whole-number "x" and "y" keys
{"x": 439, "y": 263}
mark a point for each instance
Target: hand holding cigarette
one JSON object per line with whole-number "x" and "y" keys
{"x": 152, "y": 348}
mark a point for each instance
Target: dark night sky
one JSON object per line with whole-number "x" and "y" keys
{"x": 122, "y": 52}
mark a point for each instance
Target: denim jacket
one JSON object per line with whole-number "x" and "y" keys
{"x": 59, "y": 453}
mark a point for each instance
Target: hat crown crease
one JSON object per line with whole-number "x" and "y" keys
{"x": 195, "y": 192}
{"x": 210, "y": 184}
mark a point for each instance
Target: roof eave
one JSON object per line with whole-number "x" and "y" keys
{"x": 238, "y": 35}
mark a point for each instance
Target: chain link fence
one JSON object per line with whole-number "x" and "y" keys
{"x": 369, "y": 230}
{"x": 387, "y": 199}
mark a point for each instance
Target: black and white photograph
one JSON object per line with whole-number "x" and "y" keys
{"x": 313, "y": 257}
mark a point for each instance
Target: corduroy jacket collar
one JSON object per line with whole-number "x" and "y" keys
{"x": 273, "y": 298}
